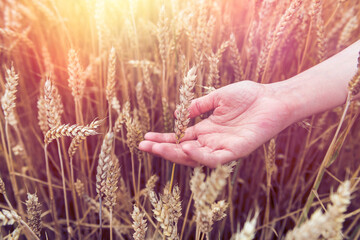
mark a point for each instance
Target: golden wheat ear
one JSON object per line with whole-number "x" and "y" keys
{"x": 139, "y": 224}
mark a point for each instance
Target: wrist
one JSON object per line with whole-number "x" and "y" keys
{"x": 320, "y": 88}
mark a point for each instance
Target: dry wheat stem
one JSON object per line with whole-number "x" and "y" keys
{"x": 64, "y": 188}
{"x": 51, "y": 191}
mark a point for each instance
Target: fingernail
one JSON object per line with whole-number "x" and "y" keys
{"x": 147, "y": 135}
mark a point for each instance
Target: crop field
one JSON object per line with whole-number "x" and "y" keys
{"x": 82, "y": 82}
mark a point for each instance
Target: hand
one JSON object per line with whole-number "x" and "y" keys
{"x": 246, "y": 114}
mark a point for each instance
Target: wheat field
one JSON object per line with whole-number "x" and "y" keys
{"x": 82, "y": 81}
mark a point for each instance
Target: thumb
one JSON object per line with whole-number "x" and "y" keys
{"x": 203, "y": 104}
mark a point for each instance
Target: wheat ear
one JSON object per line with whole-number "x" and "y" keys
{"x": 69, "y": 131}
{"x": 139, "y": 224}
{"x": 76, "y": 75}
{"x": 8, "y": 99}
{"x": 34, "y": 213}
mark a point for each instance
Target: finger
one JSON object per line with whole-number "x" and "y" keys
{"x": 169, "y": 137}
{"x": 203, "y": 104}
{"x": 160, "y": 137}
{"x": 169, "y": 151}
{"x": 206, "y": 155}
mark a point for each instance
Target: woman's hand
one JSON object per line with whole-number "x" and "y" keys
{"x": 245, "y": 115}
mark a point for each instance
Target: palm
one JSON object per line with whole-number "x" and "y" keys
{"x": 245, "y": 115}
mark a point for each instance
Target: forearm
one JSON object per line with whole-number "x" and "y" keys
{"x": 319, "y": 88}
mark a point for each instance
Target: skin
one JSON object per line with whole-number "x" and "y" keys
{"x": 247, "y": 114}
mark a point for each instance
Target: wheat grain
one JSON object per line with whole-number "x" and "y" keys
{"x": 53, "y": 104}
{"x": 139, "y": 224}
{"x": 104, "y": 163}
{"x": 76, "y": 75}
{"x": 335, "y": 212}
{"x": 101, "y": 27}
{"x": 69, "y": 131}
{"x": 147, "y": 81}
{"x": 42, "y": 117}
{"x": 34, "y": 213}
{"x": 143, "y": 112}
{"x": 111, "y": 183}
{"x": 235, "y": 59}
{"x": 326, "y": 225}
{"x": 8, "y": 99}
{"x": 206, "y": 192}
{"x": 213, "y": 76}
{"x": 320, "y": 31}
{"x": 2, "y": 187}
{"x": 354, "y": 83}
{"x": 248, "y": 231}
{"x": 167, "y": 210}
{"x": 49, "y": 66}
{"x": 76, "y": 141}
{"x": 110, "y": 84}
{"x": 218, "y": 210}
{"x": 115, "y": 104}
{"x": 134, "y": 134}
{"x": 163, "y": 33}
{"x": 79, "y": 188}
{"x": 270, "y": 160}
{"x": 8, "y": 217}
{"x": 351, "y": 25}
{"x": 166, "y": 115}
{"x": 123, "y": 116}
{"x": 182, "y": 109}
{"x": 15, "y": 235}
{"x": 150, "y": 184}
{"x": 12, "y": 18}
